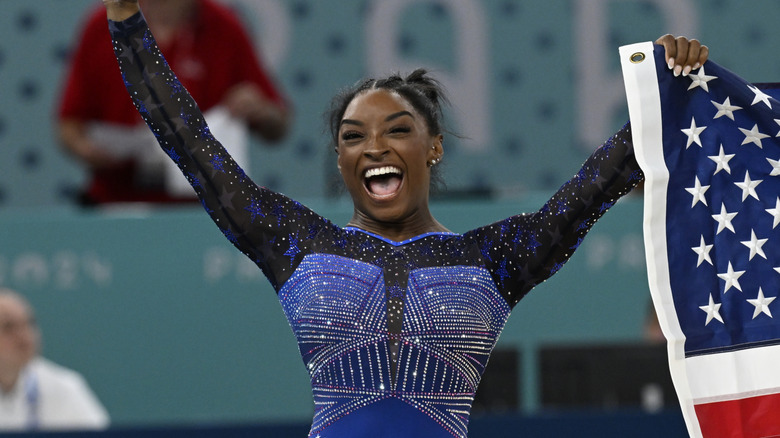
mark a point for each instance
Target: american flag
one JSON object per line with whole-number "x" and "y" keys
{"x": 708, "y": 144}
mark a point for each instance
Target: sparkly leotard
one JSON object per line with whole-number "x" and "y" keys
{"x": 395, "y": 335}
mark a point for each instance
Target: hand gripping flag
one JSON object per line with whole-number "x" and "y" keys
{"x": 708, "y": 146}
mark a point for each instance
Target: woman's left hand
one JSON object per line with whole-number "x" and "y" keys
{"x": 682, "y": 54}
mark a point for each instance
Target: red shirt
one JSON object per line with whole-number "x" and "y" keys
{"x": 211, "y": 55}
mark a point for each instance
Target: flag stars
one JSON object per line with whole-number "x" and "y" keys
{"x": 713, "y": 311}
{"x": 703, "y": 251}
{"x": 700, "y": 79}
{"x": 693, "y": 133}
{"x": 748, "y": 187}
{"x": 724, "y": 219}
{"x": 761, "y": 304}
{"x": 721, "y": 161}
{"x": 775, "y": 212}
{"x": 775, "y": 167}
{"x": 755, "y": 244}
{"x": 753, "y": 136}
{"x": 697, "y": 191}
{"x": 731, "y": 277}
{"x": 725, "y": 108}
{"x": 760, "y": 96}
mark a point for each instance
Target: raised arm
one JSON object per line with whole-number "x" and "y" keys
{"x": 526, "y": 249}
{"x": 260, "y": 223}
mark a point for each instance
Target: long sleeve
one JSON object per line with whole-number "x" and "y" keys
{"x": 524, "y": 250}
{"x": 264, "y": 225}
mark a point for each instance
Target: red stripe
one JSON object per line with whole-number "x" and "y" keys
{"x": 753, "y": 417}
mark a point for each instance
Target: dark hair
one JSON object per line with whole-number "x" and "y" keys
{"x": 422, "y": 91}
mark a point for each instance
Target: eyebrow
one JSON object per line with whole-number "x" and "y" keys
{"x": 387, "y": 119}
{"x": 397, "y": 115}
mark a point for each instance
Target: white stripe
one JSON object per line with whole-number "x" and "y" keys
{"x": 644, "y": 106}
{"x": 734, "y": 375}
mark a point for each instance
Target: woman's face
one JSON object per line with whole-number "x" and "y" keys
{"x": 384, "y": 149}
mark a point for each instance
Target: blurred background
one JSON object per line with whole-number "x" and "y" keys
{"x": 173, "y": 327}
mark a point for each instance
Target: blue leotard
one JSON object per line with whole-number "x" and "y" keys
{"x": 395, "y": 335}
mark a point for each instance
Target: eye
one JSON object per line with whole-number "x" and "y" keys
{"x": 350, "y": 135}
{"x": 402, "y": 129}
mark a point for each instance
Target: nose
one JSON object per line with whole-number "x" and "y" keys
{"x": 376, "y": 149}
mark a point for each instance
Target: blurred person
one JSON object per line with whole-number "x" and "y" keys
{"x": 651, "y": 329}
{"x": 214, "y": 59}
{"x": 35, "y": 393}
{"x": 394, "y": 314}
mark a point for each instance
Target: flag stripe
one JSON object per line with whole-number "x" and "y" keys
{"x": 747, "y": 417}
{"x": 726, "y": 376}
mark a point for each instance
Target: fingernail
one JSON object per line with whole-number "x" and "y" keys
{"x": 697, "y": 65}
{"x": 686, "y": 70}
{"x": 677, "y": 70}
{"x": 670, "y": 63}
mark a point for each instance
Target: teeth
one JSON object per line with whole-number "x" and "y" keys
{"x": 382, "y": 171}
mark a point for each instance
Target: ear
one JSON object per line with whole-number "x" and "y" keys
{"x": 437, "y": 150}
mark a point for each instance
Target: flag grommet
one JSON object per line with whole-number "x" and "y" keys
{"x": 637, "y": 57}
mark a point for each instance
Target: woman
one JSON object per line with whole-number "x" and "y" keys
{"x": 395, "y": 316}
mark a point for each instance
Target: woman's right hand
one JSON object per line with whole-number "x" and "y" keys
{"x": 120, "y": 10}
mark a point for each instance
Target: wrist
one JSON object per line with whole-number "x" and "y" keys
{"x": 120, "y": 10}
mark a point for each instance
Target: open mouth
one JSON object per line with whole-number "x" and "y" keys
{"x": 383, "y": 182}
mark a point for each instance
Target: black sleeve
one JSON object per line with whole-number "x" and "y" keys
{"x": 266, "y": 226}
{"x": 524, "y": 250}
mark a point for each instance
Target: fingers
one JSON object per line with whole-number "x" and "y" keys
{"x": 670, "y": 47}
{"x": 704, "y": 54}
{"x": 688, "y": 58}
{"x": 682, "y": 54}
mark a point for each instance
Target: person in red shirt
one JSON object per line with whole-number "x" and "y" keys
{"x": 214, "y": 59}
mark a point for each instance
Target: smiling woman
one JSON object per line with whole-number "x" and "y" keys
{"x": 408, "y": 110}
{"x": 395, "y": 316}
{"x": 386, "y": 148}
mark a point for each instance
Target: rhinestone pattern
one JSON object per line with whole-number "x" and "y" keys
{"x": 452, "y": 319}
